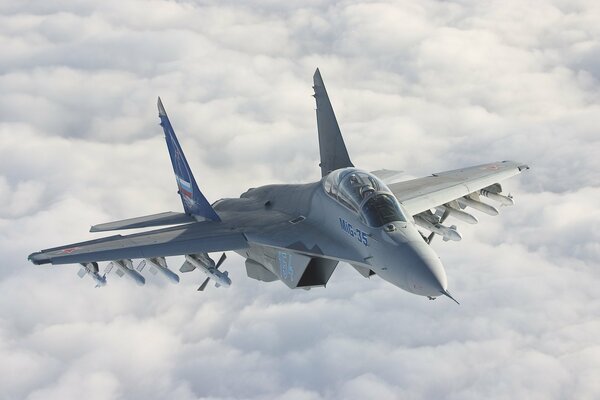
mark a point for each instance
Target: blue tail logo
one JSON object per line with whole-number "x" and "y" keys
{"x": 194, "y": 202}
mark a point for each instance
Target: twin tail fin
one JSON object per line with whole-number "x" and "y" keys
{"x": 194, "y": 202}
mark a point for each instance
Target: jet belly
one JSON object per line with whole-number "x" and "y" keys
{"x": 279, "y": 262}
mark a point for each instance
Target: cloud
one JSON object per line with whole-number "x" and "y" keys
{"x": 420, "y": 87}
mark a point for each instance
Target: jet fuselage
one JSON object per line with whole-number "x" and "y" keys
{"x": 395, "y": 251}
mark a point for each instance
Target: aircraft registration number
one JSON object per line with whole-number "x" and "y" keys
{"x": 356, "y": 233}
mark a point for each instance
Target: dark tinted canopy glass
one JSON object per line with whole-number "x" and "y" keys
{"x": 380, "y": 209}
{"x": 364, "y": 193}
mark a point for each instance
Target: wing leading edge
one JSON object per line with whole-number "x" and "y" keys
{"x": 422, "y": 194}
{"x": 198, "y": 237}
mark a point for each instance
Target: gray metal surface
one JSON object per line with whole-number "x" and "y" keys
{"x": 331, "y": 144}
{"x": 186, "y": 239}
{"x": 418, "y": 195}
{"x": 146, "y": 221}
{"x": 298, "y": 233}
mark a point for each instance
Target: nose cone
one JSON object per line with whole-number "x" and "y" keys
{"x": 426, "y": 274}
{"x": 414, "y": 266}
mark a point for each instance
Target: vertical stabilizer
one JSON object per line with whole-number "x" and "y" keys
{"x": 194, "y": 202}
{"x": 331, "y": 144}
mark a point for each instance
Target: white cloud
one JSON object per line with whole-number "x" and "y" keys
{"x": 420, "y": 87}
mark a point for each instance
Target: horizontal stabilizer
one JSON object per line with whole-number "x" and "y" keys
{"x": 146, "y": 221}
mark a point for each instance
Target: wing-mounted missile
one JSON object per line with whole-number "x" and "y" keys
{"x": 206, "y": 264}
{"x": 469, "y": 201}
{"x": 192, "y": 261}
{"x": 159, "y": 265}
{"x": 125, "y": 267}
{"x": 92, "y": 270}
{"x": 431, "y": 222}
{"x": 497, "y": 197}
{"x": 458, "y": 214}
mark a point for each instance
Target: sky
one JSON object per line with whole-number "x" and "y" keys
{"x": 420, "y": 87}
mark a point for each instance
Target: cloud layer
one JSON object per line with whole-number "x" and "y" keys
{"x": 417, "y": 86}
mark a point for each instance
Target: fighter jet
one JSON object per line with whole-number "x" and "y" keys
{"x": 299, "y": 233}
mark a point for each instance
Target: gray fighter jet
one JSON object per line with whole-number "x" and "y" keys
{"x": 299, "y": 233}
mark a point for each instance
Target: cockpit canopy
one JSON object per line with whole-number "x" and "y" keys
{"x": 364, "y": 194}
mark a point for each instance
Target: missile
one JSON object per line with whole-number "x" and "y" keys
{"x": 478, "y": 205}
{"x": 160, "y": 264}
{"x": 497, "y": 197}
{"x": 205, "y": 264}
{"x": 447, "y": 233}
{"x": 204, "y": 259}
{"x": 460, "y": 214}
{"x": 125, "y": 267}
{"x": 200, "y": 262}
{"x": 91, "y": 269}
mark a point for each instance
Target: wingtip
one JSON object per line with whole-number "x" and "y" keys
{"x": 38, "y": 258}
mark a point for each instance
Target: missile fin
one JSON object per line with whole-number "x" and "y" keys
{"x": 187, "y": 267}
{"x": 201, "y": 288}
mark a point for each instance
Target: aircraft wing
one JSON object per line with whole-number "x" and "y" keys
{"x": 192, "y": 238}
{"x": 422, "y": 194}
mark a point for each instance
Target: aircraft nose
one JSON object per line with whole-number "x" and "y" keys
{"x": 427, "y": 275}
{"x": 415, "y": 267}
